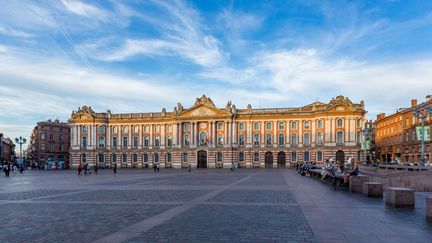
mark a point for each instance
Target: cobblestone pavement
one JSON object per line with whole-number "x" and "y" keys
{"x": 253, "y": 205}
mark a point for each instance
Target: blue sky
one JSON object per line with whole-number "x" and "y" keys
{"x": 141, "y": 56}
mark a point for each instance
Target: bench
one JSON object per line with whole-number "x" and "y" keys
{"x": 400, "y": 197}
{"x": 429, "y": 209}
{"x": 373, "y": 189}
{"x": 356, "y": 183}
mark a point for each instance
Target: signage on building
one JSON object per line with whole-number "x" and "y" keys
{"x": 426, "y": 133}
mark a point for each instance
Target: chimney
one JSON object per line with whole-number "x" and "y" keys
{"x": 413, "y": 102}
{"x": 380, "y": 116}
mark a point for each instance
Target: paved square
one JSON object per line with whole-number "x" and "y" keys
{"x": 248, "y": 205}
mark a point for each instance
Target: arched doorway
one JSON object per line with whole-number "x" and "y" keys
{"x": 281, "y": 160}
{"x": 202, "y": 159}
{"x": 268, "y": 160}
{"x": 340, "y": 156}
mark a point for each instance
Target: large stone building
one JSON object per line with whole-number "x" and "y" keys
{"x": 49, "y": 144}
{"x": 396, "y": 138}
{"x": 7, "y": 149}
{"x": 206, "y": 136}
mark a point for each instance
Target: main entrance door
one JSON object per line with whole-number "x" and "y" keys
{"x": 281, "y": 160}
{"x": 202, "y": 159}
{"x": 340, "y": 156}
{"x": 268, "y": 160}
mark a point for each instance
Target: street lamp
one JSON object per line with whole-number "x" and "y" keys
{"x": 366, "y": 133}
{"x": 422, "y": 112}
{"x": 20, "y": 141}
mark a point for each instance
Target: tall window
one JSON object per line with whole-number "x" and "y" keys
{"x": 203, "y": 138}
{"x": 84, "y": 158}
{"x": 52, "y": 147}
{"x": 281, "y": 125}
{"x": 256, "y": 156}
{"x": 359, "y": 137}
{"x": 268, "y": 139}
{"x": 185, "y": 157}
{"x": 306, "y": 125}
{"x": 101, "y": 129}
{"x": 125, "y": 142}
{"x": 186, "y": 127}
{"x": 51, "y": 137}
{"x": 168, "y": 158}
{"x": 306, "y": 140}
{"x": 114, "y": 158}
{"x": 241, "y": 156}
{"x": 339, "y": 138}
{"x": 319, "y": 156}
{"x": 42, "y": 146}
{"x": 220, "y": 139}
{"x": 42, "y": 136}
{"x": 293, "y": 156}
{"x": 169, "y": 128}
{"x": 339, "y": 123}
{"x": 84, "y": 142}
{"x": 125, "y": 129}
{"x": 146, "y": 142}
{"x": 186, "y": 140}
{"x": 101, "y": 142}
{"x": 135, "y": 142}
{"x": 147, "y": 129}
{"x": 306, "y": 156}
{"x": 319, "y": 124}
{"x": 294, "y": 139}
{"x": 135, "y": 158}
{"x": 157, "y": 128}
{"x": 157, "y": 142}
{"x": 169, "y": 141}
{"x": 256, "y": 139}
{"x": 125, "y": 158}
{"x": 219, "y": 157}
{"x": 319, "y": 138}
{"x": 294, "y": 125}
{"x": 220, "y": 126}
{"x": 101, "y": 158}
{"x": 358, "y": 122}
{"x": 241, "y": 140}
{"x": 156, "y": 157}
{"x": 135, "y": 129}
{"x": 145, "y": 158}
{"x": 114, "y": 129}
{"x": 268, "y": 125}
{"x": 256, "y": 125}
{"x": 84, "y": 129}
{"x": 281, "y": 139}
{"x": 241, "y": 126}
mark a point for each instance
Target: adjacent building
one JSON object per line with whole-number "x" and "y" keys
{"x": 396, "y": 138}
{"x": 49, "y": 144}
{"x": 207, "y": 136}
{"x": 7, "y": 149}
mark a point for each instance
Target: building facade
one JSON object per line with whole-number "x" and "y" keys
{"x": 7, "y": 149}
{"x": 206, "y": 136}
{"x": 49, "y": 144}
{"x": 396, "y": 138}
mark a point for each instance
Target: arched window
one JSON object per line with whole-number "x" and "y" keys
{"x": 147, "y": 129}
{"x": 101, "y": 142}
{"x": 319, "y": 123}
{"x": 156, "y": 158}
{"x": 281, "y": 125}
{"x": 203, "y": 138}
{"x": 319, "y": 138}
{"x": 186, "y": 140}
{"x": 241, "y": 156}
{"x": 293, "y": 156}
{"x": 293, "y": 125}
{"x": 339, "y": 138}
{"x": 84, "y": 129}
{"x": 306, "y": 139}
{"x": 125, "y": 142}
{"x": 185, "y": 157}
{"x": 101, "y": 158}
{"x": 157, "y": 141}
{"x": 169, "y": 141}
{"x": 135, "y": 158}
{"x": 168, "y": 157}
{"x": 219, "y": 157}
{"x": 268, "y": 125}
{"x": 125, "y": 158}
{"x": 114, "y": 158}
{"x": 145, "y": 158}
{"x": 241, "y": 140}
{"x": 135, "y": 142}
{"x": 268, "y": 139}
{"x": 306, "y": 125}
{"x": 220, "y": 140}
{"x": 101, "y": 129}
{"x": 306, "y": 156}
{"x": 242, "y": 126}
{"x": 146, "y": 142}
{"x": 125, "y": 129}
{"x": 114, "y": 129}
{"x": 281, "y": 139}
{"x": 256, "y": 139}
{"x": 339, "y": 123}
{"x": 256, "y": 125}
{"x": 294, "y": 139}
{"x": 220, "y": 126}
{"x": 114, "y": 142}
{"x": 256, "y": 156}
{"x": 135, "y": 129}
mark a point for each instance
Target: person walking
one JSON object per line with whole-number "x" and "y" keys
{"x": 79, "y": 169}
{"x": 95, "y": 169}
{"x": 115, "y": 168}
{"x": 154, "y": 168}
{"x": 157, "y": 166}
{"x": 232, "y": 166}
{"x": 6, "y": 169}
{"x": 190, "y": 167}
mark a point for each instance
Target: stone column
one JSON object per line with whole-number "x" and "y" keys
{"x": 347, "y": 124}
{"x": 130, "y": 136}
{"x": 163, "y": 135}
{"x": 214, "y": 133}
{"x": 235, "y": 137}
{"x": 327, "y": 130}
{"x": 300, "y": 135}
{"x": 151, "y": 126}
{"x": 180, "y": 134}
{"x": 333, "y": 129}
{"x": 275, "y": 129}
{"x": 248, "y": 132}
{"x": 140, "y": 136}
{"x": 262, "y": 132}
{"x": 313, "y": 134}
{"x": 195, "y": 133}
{"x": 108, "y": 136}
{"x": 175, "y": 133}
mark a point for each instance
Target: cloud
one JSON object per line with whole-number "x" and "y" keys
{"x": 15, "y": 33}
{"x": 86, "y": 10}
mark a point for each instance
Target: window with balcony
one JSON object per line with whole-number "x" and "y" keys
{"x": 241, "y": 139}
{"x": 281, "y": 139}
{"x": 268, "y": 139}
{"x": 146, "y": 142}
{"x": 114, "y": 142}
{"x": 256, "y": 126}
{"x": 242, "y": 126}
{"x": 339, "y": 123}
{"x": 101, "y": 142}
{"x": 281, "y": 125}
{"x": 306, "y": 125}
{"x": 157, "y": 141}
{"x": 220, "y": 140}
{"x": 306, "y": 139}
{"x": 339, "y": 138}
{"x": 293, "y": 125}
{"x": 125, "y": 142}
{"x": 268, "y": 126}
{"x": 294, "y": 139}
{"x": 256, "y": 139}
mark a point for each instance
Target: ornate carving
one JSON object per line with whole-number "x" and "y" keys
{"x": 84, "y": 110}
{"x": 204, "y": 100}
{"x": 249, "y": 108}
{"x": 163, "y": 113}
{"x": 180, "y": 107}
{"x": 202, "y": 111}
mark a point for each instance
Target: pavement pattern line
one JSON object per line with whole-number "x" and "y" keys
{"x": 145, "y": 225}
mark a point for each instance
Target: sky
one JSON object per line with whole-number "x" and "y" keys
{"x": 142, "y": 56}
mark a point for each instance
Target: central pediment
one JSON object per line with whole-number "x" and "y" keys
{"x": 203, "y": 111}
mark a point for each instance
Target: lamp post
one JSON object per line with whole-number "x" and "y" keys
{"x": 20, "y": 141}
{"x": 366, "y": 133}
{"x": 422, "y": 112}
